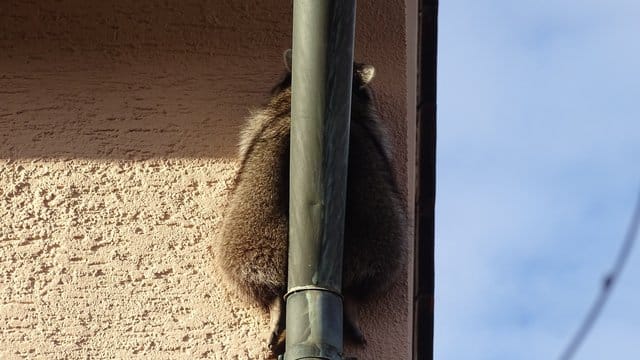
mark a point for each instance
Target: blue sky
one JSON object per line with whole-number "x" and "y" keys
{"x": 538, "y": 171}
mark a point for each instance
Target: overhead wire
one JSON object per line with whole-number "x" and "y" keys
{"x": 608, "y": 284}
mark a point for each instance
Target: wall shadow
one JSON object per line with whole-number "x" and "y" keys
{"x": 135, "y": 80}
{"x": 93, "y": 109}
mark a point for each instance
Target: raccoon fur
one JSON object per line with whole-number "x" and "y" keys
{"x": 252, "y": 249}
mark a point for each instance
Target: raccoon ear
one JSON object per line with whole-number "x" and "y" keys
{"x": 366, "y": 73}
{"x": 287, "y": 59}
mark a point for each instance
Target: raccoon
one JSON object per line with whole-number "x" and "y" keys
{"x": 252, "y": 249}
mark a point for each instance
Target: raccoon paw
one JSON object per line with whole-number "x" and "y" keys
{"x": 355, "y": 334}
{"x": 277, "y": 344}
{"x": 276, "y": 337}
{"x": 352, "y": 322}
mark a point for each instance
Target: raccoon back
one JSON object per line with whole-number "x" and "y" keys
{"x": 252, "y": 247}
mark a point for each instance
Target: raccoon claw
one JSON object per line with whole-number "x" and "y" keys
{"x": 276, "y": 339}
{"x": 356, "y": 335}
{"x": 352, "y": 323}
{"x": 276, "y": 344}
{"x": 361, "y": 340}
{"x": 273, "y": 341}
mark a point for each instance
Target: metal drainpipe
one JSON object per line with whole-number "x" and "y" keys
{"x": 323, "y": 32}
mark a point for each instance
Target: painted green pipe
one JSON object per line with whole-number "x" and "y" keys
{"x": 323, "y": 32}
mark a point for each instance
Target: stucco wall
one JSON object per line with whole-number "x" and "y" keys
{"x": 118, "y": 125}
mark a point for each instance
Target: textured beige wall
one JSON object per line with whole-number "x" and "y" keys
{"x": 118, "y": 125}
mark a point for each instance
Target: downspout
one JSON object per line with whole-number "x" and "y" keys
{"x": 322, "y": 68}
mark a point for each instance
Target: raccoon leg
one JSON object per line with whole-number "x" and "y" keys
{"x": 277, "y": 320}
{"x": 352, "y": 321}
